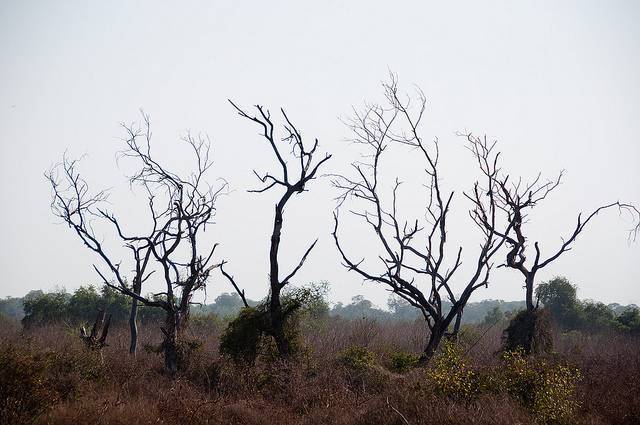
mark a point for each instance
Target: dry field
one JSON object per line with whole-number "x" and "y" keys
{"x": 48, "y": 377}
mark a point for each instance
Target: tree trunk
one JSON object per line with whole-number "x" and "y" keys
{"x": 170, "y": 343}
{"x": 277, "y": 326}
{"x": 133, "y": 318}
{"x": 456, "y": 325}
{"x": 133, "y": 326}
{"x": 275, "y": 307}
{"x": 437, "y": 332}
{"x": 529, "y": 291}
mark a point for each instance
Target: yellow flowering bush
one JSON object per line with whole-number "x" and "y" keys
{"x": 547, "y": 390}
{"x": 450, "y": 374}
{"x": 357, "y": 358}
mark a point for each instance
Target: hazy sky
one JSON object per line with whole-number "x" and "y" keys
{"x": 556, "y": 83}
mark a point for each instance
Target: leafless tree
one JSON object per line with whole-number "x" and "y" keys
{"x": 414, "y": 263}
{"x": 180, "y": 208}
{"x": 101, "y": 326}
{"x": 292, "y": 179}
{"x": 515, "y": 199}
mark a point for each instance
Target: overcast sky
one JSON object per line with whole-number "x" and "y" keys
{"x": 556, "y": 83}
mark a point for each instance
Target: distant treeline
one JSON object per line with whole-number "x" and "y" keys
{"x": 39, "y": 307}
{"x": 558, "y": 295}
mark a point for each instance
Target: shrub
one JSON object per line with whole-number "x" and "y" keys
{"x": 529, "y": 331}
{"x": 243, "y": 337}
{"x": 31, "y": 381}
{"x": 449, "y": 374}
{"x": 357, "y": 358}
{"x": 249, "y": 335}
{"x": 401, "y": 362}
{"x": 24, "y": 390}
{"x": 547, "y": 390}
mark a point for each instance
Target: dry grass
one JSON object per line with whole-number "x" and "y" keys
{"x": 115, "y": 388}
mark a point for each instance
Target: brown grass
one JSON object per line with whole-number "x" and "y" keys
{"x": 115, "y": 388}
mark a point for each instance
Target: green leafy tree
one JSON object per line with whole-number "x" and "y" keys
{"x": 117, "y": 304}
{"x": 559, "y": 296}
{"x": 597, "y": 316}
{"x": 83, "y": 304}
{"x": 630, "y": 319}
{"x": 41, "y": 308}
{"x": 493, "y": 316}
{"x": 12, "y": 307}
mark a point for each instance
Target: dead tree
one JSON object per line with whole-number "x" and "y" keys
{"x": 515, "y": 199}
{"x": 293, "y": 179}
{"x": 414, "y": 263}
{"x": 180, "y": 208}
{"x": 101, "y": 326}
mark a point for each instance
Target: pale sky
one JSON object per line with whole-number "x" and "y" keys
{"x": 557, "y": 83}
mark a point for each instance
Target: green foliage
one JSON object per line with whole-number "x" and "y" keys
{"x": 529, "y": 331}
{"x": 596, "y": 316}
{"x": 310, "y": 301}
{"x": 81, "y": 307}
{"x": 629, "y": 319}
{"x": 83, "y": 304}
{"x": 243, "y": 337}
{"x": 402, "y": 362}
{"x": 493, "y": 316}
{"x": 357, "y": 358}
{"x": 249, "y": 335}
{"x": 359, "y": 308}
{"x": 559, "y": 297}
{"x": 40, "y": 308}
{"x": 226, "y": 306}
{"x": 12, "y": 307}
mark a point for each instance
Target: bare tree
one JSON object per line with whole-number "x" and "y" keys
{"x": 515, "y": 199}
{"x": 293, "y": 179}
{"x": 420, "y": 273}
{"x": 101, "y": 326}
{"x": 180, "y": 208}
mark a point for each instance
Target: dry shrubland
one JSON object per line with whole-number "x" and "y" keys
{"x": 348, "y": 372}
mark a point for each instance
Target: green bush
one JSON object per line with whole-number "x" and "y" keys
{"x": 249, "y": 335}
{"x": 244, "y": 336}
{"x": 529, "y": 331}
{"x": 357, "y": 358}
{"x": 401, "y": 362}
